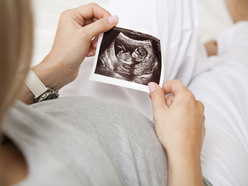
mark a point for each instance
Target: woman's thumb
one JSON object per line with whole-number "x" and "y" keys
{"x": 102, "y": 25}
{"x": 157, "y": 96}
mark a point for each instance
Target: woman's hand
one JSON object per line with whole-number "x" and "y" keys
{"x": 180, "y": 127}
{"x": 76, "y": 38}
{"x": 179, "y": 119}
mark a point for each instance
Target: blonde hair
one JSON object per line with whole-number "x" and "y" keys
{"x": 16, "y": 43}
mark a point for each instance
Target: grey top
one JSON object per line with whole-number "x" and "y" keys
{"x": 86, "y": 141}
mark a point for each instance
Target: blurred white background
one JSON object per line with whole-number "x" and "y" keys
{"x": 214, "y": 17}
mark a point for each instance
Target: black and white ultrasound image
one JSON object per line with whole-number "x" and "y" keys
{"x": 128, "y": 55}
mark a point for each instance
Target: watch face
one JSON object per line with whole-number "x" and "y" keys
{"x": 52, "y": 96}
{"x": 48, "y": 96}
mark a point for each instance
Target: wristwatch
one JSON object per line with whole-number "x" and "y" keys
{"x": 40, "y": 91}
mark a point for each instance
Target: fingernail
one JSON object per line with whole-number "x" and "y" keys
{"x": 113, "y": 19}
{"x": 91, "y": 53}
{"x": 95, "y": 44}
{"x": 152, "y": 87}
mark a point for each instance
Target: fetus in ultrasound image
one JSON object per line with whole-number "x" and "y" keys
{"x": 128, "y": 55}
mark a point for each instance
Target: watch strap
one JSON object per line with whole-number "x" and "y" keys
{"x": 35, "y": 85}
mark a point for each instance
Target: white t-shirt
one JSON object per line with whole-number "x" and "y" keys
{"x": 224, "y": 90}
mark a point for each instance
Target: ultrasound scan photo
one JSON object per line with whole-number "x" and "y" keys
{"x": 130, "y": 56}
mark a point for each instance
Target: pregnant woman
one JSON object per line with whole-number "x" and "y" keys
{"x": 89, "y": 141}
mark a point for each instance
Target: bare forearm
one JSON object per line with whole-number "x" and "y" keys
{"x": 26, "y": 96}
{"x": 184, "y": 169}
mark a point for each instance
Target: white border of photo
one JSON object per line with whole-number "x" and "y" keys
{"x": 120, "y": 82}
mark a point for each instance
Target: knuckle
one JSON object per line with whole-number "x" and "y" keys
{"x": 65, "y": 12}
{"x": 189, "y": 96}
{"x": 177, "y": 81}
{"x": 201, "y": 105}
{"x": 93, "y": 4}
